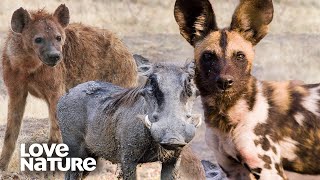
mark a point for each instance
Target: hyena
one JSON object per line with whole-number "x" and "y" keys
{"x": 45, "y": 56}
{"x": 256, "y": 128}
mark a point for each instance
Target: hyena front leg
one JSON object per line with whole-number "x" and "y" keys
{"x": 16, "y": 107}
{"x": 55, "y": 136}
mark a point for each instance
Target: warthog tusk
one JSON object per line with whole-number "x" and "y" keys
{"x": 196, "y": 120}
{"x": 147, "y": 122}
{"x": 200, "y": 122}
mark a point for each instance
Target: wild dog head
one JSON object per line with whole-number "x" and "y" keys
{"x": 223, "y": 56}
{"x": 42, "y": 33}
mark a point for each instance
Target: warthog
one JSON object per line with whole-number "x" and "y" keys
{"x": 151, "y": 122}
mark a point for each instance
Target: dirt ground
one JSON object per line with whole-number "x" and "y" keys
{"x": 291, "y": 51}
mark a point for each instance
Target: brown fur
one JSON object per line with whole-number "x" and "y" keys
{"x": 88, "y": 54}
{"x": 190, "y": 167}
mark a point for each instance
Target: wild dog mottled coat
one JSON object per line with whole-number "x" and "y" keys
{"x": 253, "y": 126}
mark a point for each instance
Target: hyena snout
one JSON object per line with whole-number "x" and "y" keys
{"x": 53, "y": 57}
{"x": 225, "y": 82}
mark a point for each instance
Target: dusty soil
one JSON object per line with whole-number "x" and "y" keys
{"x": 279, "y": 57}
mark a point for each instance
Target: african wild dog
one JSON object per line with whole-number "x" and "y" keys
{"x": 253, "y": 126}
{"x": 151, "y": 122}
{"x": 44, "y": 56}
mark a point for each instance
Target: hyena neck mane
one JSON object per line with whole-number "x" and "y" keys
{"x": 217, "y": 104}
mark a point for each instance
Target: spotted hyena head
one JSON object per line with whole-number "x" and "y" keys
{"x": 223, "y": 56}
{"x": 42, "y": 33}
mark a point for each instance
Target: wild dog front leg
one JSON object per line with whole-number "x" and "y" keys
{"x": 263, "y": 164}
{"x": 16, "y": 107}
{"x": 219, "y": 143}
{"x": 232, "y": 168}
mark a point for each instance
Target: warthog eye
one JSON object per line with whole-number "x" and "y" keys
{"x": 58, "y": 38}
{"x": 38, "y": 40}
{"x": 240, "y": 56}
{"x": 155, "y": 90}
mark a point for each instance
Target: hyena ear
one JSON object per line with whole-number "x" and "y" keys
{"x": 20, "y": 18}
{"x": 195, "y": 19}
{"x": 62, "y": 14}
{"x": 251, "y": 19}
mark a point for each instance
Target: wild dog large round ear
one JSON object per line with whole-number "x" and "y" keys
{"x": 196, "y": 19}
{"x": 20, "y": 19}
{"x": 62, "y": 15}
{"x": 251, "y": 19}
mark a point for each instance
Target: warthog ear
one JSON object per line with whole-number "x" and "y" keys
{"x": 190, "y": 68}
{"x": 20, "y": 18}
{"x": 140, "y": 60}
{"x": 195, "y": 19}
{"x": 62, "y": 15}
{"x": 251, "y": 19}
{"x": 143, "y": 64}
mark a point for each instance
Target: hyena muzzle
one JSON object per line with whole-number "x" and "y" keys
{"x": 256, "y": 128}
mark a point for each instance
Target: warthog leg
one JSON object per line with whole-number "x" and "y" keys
{"x": 129, "y": 170}
{"x": 170, "y": 169}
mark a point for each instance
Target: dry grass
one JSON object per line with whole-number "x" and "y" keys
{"x": 156, "y": 16}
{"x": 35, "y": 108}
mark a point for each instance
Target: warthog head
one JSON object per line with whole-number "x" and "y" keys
{"x": 42, "y": 33}
{"x": 169, "y": 92}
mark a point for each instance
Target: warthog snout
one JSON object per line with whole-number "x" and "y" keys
{"x": 171, "y": 142}
{"x": 175, "y": 135}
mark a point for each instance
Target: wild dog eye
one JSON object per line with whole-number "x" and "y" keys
{"x": 240, "y": 56}
{"x": 209, "y": 56}
{"x": 58, "y": 38}
{"x": 38, "y": 40}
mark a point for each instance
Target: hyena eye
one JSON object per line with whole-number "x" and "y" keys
{"x": 38, "y": 40}
{"x": 240, "y": 56}
{"x": 58, "y": 38}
